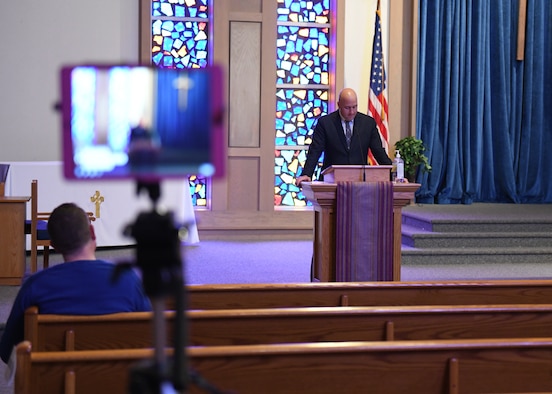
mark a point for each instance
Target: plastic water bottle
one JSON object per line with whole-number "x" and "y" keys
{"x": 398, "y": 168}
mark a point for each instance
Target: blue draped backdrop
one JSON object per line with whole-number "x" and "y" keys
{"x": 484, "y": 117}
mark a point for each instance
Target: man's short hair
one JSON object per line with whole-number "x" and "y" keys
{"x": 68, "y": 228}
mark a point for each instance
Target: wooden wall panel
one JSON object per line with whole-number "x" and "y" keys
{"x": 243, "y": 192}
{"x": 402, "y": 70}
{"x": 246, "y": 5}
{"x": 245, "y": 75}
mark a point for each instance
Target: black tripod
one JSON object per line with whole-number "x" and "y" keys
{"x": 159, "y": 259}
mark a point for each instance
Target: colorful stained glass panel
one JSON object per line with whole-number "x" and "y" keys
{"x": 286, "y": 165}
{"x": 296, "y": 113}
{"x": 180, "y": 8}
{"x": 179, "y": 44}
{"x": 302, "y": 55}
{"x": 317, "y": 11}
{"x": 198, "y": 191}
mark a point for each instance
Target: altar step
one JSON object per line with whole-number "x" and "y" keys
{"x": 477, "y": 234}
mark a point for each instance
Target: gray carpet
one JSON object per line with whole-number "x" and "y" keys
{"x": 211, "y": 262}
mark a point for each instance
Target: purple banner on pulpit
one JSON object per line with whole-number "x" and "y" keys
{"x": 364, "y": 231}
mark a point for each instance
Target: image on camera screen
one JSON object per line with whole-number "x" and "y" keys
{"x": 141, "y": 122}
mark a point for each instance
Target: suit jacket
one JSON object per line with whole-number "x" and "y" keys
{"x": 328, "y": 137}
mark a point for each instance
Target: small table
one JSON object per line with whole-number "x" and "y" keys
{"x": 12, "y": 239}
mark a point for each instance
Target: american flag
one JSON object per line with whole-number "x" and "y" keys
{"x": 377, "y": 100}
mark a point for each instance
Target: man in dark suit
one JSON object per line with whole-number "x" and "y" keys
{"x": 330, "y": 137}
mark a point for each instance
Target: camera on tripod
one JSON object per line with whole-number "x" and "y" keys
{"x": 148, "y": 124}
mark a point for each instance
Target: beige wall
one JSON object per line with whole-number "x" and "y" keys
{"x": 398, "y": 42}
{"x": 38, "y": 37}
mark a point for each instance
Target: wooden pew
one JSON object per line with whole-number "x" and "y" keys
{"x": 69, "y": 332}
{"x": 287, "y": 325}
{"x": 241, "y": 296}
{"x": 462, "y": 366}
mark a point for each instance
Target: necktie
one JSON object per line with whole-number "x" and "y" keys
{"x": 348, "y": 133}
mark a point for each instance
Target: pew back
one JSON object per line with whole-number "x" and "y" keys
{"x": 288, "y": 325}
{"x": 111, "y": 331}
{"x": 427, "y": 367}
{"x": 241, "y": 296}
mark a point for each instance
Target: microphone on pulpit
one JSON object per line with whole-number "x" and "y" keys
{"x": 363, "y": 161}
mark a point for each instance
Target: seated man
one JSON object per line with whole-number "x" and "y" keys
{"x": 82, "y": 285}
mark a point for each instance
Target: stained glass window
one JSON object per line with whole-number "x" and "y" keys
{"x": 287, "y": 163}
{"x": 180, "y": 38}
{"x": 303, "y": 68}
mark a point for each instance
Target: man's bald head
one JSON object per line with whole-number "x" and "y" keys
{"x": 347, "y": 104}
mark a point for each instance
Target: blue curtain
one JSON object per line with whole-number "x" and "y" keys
{"x": 184, "y": 125}
{"x": 484, "y": 117}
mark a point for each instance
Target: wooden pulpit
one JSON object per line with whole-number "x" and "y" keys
{"x": 323, "y": 197}
{"x": 357, "y": 173}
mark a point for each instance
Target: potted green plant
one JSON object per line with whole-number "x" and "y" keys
{"x": 412, "y": 152}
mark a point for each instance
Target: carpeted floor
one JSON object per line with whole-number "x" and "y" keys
{"x": 211, "y": 262}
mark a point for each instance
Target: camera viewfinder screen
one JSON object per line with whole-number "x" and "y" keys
{"x": 141, "y": 122}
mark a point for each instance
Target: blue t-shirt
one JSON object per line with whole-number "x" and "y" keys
{"x": 84, "y": 287}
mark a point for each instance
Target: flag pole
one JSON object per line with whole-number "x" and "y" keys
{"x": 377, "y": 95}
